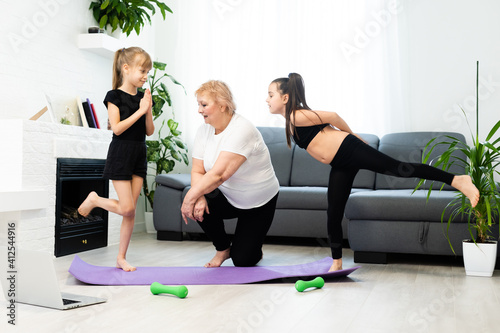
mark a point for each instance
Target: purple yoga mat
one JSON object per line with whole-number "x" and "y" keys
{"x": 101, "y": 275}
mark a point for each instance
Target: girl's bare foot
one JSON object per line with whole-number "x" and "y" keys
{"x": 87, "y": 205}
{"x": 464, "y": 184}
{"x": 336, "y": 266}
{"x": 123, "y": 264}
{"x": 219, "y": 258}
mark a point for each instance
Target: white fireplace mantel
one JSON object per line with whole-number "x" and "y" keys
{"x": 13, "y": 201}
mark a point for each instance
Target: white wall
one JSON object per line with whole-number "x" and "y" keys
{"x": 440, "y": 42}
{"x": 39, "y": 55}
{"x": 444, "y": 39}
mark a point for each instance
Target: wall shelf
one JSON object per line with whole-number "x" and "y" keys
{"x": 100, "y": 44}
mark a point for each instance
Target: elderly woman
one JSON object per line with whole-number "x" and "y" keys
{"x": 232, "y": 177}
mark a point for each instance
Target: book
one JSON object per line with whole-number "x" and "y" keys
{"x": 82, "y": 112}
{"x": 88, "y": 114}
{"x": 91, "y": 113}
{"x": 95, "y": 115}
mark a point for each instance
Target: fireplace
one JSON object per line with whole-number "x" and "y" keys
{"x": 76, "y": 178}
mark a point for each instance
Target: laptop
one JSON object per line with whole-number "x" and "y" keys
{"x": 36, "y": 282}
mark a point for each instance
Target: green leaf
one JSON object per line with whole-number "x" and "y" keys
{"x": 176, "y": 82}
{"x": 159, "y": 65}
{"x": 152, "y": 144}
{"x": 105, "y": 4}
{"x": 163, "y": 93}
{"x": 166, "y": 166}
{"x": 179, "y": 143}
{"x": 103, "y": 21}
{"x": 149, "y": 6}
{"x": 172, "y": 124}
{"x": 493, "y": 131}
{"x": 185, "y": 158}
{"x": 167, "y": 8}
{"x": 158, "y": 106}
{"x": 153, "y": 156}
{"x": 169, "y": 144}
{"x": 176, "y": 156}
{"x": 123, "y": 7}
{"x": 115, "y": 23}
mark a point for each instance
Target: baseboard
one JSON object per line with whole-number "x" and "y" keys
{"x": 370, "y": 257}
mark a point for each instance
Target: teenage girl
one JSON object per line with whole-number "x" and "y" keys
{"x": 131, "y": 120}
{"x": 328, "y": 138}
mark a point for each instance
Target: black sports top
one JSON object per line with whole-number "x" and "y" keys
{"x": 305, "y": 134}
{"x": 128, "y": 104}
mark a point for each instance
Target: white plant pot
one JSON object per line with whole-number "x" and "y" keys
{"x": 148, "y": 220}
{"x": 480, "y": 259}
{"x": 115, "y": 34}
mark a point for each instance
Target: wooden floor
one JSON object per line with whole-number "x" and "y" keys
{"x": 410, "y": 294}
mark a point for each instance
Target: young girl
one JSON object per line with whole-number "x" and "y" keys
{"x": 328, "y": 138}
{"x": 131, "y": 120}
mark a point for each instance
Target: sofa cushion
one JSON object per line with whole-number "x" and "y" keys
{"x": 281, "y": 155}
{"x": 409, "y": 147}
{"x": 400, "y": 205}
{"x": 305, "y": 197}
{"x": 306, "y": 171}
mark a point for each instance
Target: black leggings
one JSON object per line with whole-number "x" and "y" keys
{"x": 352, "y": 156}
{"x": 251, "y": 228}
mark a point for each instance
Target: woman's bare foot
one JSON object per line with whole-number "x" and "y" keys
{"x": 336, "y": 266}
{"x": 219, "y": 258}
{"x": 87, "y": 205}
{"x": 123, "y": 264}
{"x": 464, "y": 184}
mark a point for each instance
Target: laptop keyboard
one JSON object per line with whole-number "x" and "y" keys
{"x": 69, "y": 301}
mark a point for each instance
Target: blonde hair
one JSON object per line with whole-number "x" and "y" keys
{"x": 220, "y": 92}
{"x": 132, "y": 56}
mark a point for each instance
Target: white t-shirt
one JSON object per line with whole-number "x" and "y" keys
{"x": 255, "y": 182}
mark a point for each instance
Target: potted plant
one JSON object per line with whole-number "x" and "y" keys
{"x": 128, "y": 15}
{"x": 168, "y": 148}
{"x": 482, "y": 159}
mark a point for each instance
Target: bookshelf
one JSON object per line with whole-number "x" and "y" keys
{"x": 100, "y": 44}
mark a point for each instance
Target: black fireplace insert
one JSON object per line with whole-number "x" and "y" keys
{"x": 76, "y": 178}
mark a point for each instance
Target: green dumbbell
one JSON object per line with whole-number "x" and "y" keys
{"x": 303, "y": 285}
{"x": 158, "y": 288}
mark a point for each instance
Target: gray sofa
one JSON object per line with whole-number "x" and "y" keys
{"x": 382, "y": 215}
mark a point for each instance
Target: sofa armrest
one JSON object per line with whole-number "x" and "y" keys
{"x": 168, "y": 197}
{"x": 177, "y": 181}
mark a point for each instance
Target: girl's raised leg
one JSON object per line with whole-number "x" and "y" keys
{"x": 464, "y": 184}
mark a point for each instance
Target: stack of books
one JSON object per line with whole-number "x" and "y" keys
{"x": 87, "y": 113}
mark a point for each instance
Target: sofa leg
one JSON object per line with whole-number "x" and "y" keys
{"x": 370, "y": 257}
{"x": 169, "y": 235}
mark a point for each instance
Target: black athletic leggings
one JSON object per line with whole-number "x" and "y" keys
{"x": 251, "y": 228}
{"x": 352, "y": 156}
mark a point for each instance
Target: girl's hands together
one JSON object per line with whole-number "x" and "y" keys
{"x": 146, "y": 102}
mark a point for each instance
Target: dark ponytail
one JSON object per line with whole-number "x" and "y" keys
{"x": 293, "y": 85}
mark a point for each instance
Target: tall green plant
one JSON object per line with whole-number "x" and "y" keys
{"x": 168, "y": 149}
{"x": 128, "y": 15}
{"x": 482, "y": 159}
